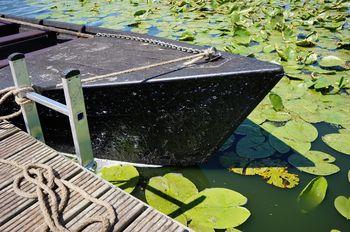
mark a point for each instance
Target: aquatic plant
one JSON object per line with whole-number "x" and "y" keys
{"x": 342, "y": 204}
{"x": 125, "y": 177}
{"x": 313, "y": 194}
{"x": 212, "y": 208}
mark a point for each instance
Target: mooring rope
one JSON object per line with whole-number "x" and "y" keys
{"x": 45, "y": 181}
{"x": 206, "y": 53}
{"x": 16, "y": 92}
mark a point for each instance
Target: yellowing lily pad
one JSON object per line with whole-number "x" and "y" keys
{"x": 339, "y": 142}
{"x": 125, "y": 177}
{"x": 314, "y": 162}
{"x": 342, "y": 204}
{"x": 219, "y": 208}
{"x": 279, "y": 177}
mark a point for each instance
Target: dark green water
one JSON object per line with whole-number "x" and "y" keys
{"x": 272, "y": 208}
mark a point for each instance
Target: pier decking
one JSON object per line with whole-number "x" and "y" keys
{"x": 23, "y": 214}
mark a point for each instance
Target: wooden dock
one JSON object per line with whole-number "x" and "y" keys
{"x": 23, "y": 214}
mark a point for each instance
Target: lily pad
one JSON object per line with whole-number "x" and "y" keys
{"x": 125, "y": 177}
{"x": 313, "y": 194}
{"x": 342, "y": 204}
{"x": 276, "y": 101}
{"x": 333, "y": 62}
{"x": 275, "y": 172}
{"x": 219, "y": 208}
{"x": 297, "y": 134}
{"x": 339, "y": 142}
{"x": 169, "y": 192}
{"x": 254, "y": 147}
{"x": 276, "y": 116}
{"x": 198, "y": 227}
{"x": 314, "y": 162}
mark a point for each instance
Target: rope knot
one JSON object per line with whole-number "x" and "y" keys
{"x": 20, "y": 99}
{"x": 210, "y": 53}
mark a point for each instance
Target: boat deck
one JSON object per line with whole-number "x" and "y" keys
{"x": 23, "y": 214}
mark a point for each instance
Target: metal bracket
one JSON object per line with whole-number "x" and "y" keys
{"x": 74, "y": 108}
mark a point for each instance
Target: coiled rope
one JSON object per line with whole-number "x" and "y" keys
{"x": 45, "y": 181}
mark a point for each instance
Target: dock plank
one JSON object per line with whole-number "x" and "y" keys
{"x": 23, "y": 214}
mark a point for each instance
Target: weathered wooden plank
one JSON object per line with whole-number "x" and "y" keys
{"x": 11, "y": 204}
{"x": 31, "y": 217}
{"x": 152, "y": 220}
{"x": 15, "y": 143}
{"x": 7, "y": 129}
{"x": 36, "y": 153}
{"x": 22, "y": 214}
{"x": 127, "y": 208}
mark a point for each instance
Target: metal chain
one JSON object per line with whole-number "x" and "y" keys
{"x": 151, "y": 41}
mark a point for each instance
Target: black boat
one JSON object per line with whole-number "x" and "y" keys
{"x": 168, "y": 115}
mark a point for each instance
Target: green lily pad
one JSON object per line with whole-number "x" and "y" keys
{"x": 313, "y": 194}
{"x": 219, "y": 208}
{"x": 169, "y": 192}
{"x": 125, "y": 177}
{"x": 314, "y": 162}
{"x": 333, "y": 62}
{"x": 140, "y": 12}
{"x": 339, "y": 142}
{"x": 305, "y": 43}
{"x": 276, "y": 116}
{"x": 342, "y": 204}
{"x": 278, "y": 145}
{"x": 187, "y": 36}
{"x": 198, "y": 227}
{"x": 297, "y": 134}
{"x": 254, "y": 147}
{"x": 276, "y": 101}
{"x": 306, "y": 109}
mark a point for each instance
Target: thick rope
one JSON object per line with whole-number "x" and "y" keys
{"x": 207, "y": 54}
{"x": 12, "y": 91}
{"x": 45, "y": 181}
{"x": 42, "y": 27}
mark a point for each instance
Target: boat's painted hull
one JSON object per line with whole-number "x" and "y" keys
{"x": 171, "y": 123}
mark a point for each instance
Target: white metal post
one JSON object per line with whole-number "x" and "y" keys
{"x": 77, "y": 117}
{"x": 21, "y": 79}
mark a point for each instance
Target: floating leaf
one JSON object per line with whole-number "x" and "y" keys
{"x": 314, "y": 162}
{"x": 333, "y": 62}
{"x": 219, "y": 208}
{"x": 278, "y": 145}
{"x": 125, "y": 177}
{"x": 313, "y": 194}
{"x": 140, "y": 12}
{"x": 297, "y": 134}
{"x": 276, "y": 116}
{"x": 305, "y": 43}
{"x": 254, "y": 147}
{"x": 187, "y": 36}
{"x": 195, "y": 226}
{"x": 167, "y": 193}
{"x": 339, "y": 142}
{"x": 276, "y": 174}
{"x": 342, "y": 204}
{"x": 276, "y": 101}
